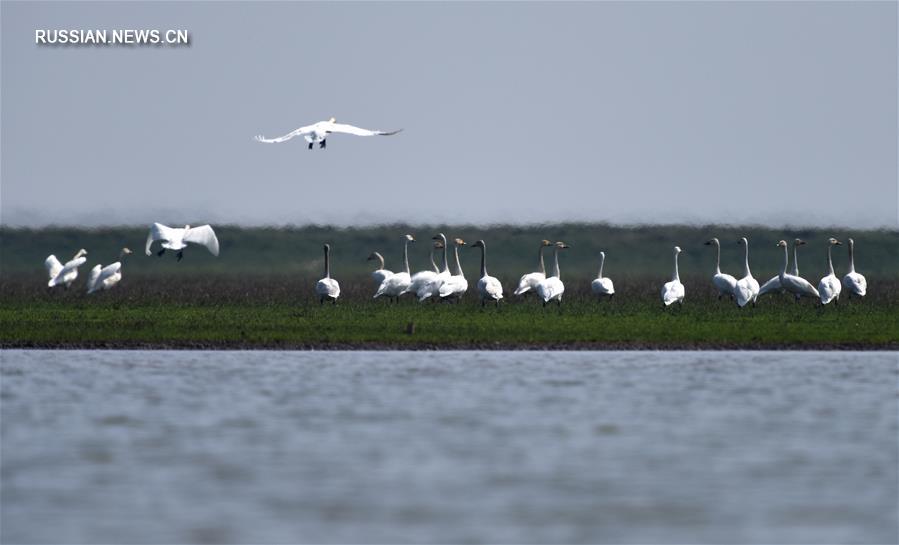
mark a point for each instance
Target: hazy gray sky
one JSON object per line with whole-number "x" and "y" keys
{"x": 777, "y": 113}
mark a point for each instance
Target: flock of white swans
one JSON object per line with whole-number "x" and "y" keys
{"x": 450, "y": 285}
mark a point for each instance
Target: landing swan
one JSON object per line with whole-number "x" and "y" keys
{"x": 489, "y": 288}
{"x": 422, "y": 279}
{"x": 829, "y": 287}
{"x": 177, "y": 239}
{"x": 327, "y": 287}
{"x": 794, "y": 284}
{"x": 673, "y": 292}
{"x": 104, "y": 278}
{"x": 64, "y": 275}
{"x": 854, "y": 282}
{"x": 380, "y": 274}
{"x": 454, "y": 287}
{"x": 773, "y": 284}
{"x": 602, "y": 285}
{"x": 747, "y": 288}
{"x": 318, "y": 133}
{"x": 552, "y": 288}
{"x": 529, "y": 281}
{"x": 724, "y": 283}
{"x": 398, "y": 283}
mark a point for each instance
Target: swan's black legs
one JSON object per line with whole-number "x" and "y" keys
{"x": 160, "y": 252}
{"x": 321, "y": 300}
{"x": 180, "y": 255}
{"x": 323, "y": 144}
{"x": 310, "y": 145}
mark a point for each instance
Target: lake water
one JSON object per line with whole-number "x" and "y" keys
{"x": 467, "y": 447}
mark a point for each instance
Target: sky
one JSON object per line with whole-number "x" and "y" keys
{"x": 651, "y": 112}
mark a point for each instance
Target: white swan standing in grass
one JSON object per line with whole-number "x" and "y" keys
{"x": 489, "y": 288}
{"x": 773, "y": 284}
{"x": 454, "y": 287}
{"x": 104, "y": 278}
{"x": 64, "y": 275}
{"x": 422, "y": 279}
{"x": 432, "y": 287}
{"x": 398, "y": 283}
{"x": 173, "y": 238}
{"x": 829, "y": 287}
{"x": 602, "y": 285}
{"x": 747, "y": 288}
{"x": 854, "y": 282}
{"x": 327, "y": 287}
{"x": 529, "y": 281}
{"x": 673, "y": 291}
{"x": 552, "y": 288}
{"x": 380, "y": 274}
{"x": 794, "y": 284}
{"x": 319, "y": 132}
{"x": 724, "y": 283}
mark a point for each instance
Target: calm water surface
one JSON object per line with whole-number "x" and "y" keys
{"x": 550, "y": 447}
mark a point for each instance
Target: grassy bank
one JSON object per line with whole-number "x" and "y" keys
{"x": 280, "y": 312}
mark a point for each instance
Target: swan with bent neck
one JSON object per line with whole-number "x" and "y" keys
{"x": 104, "y": 278}
{"x": 380, "y": 274}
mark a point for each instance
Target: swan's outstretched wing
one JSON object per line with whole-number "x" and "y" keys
{"x": 771, "y": 286}
{"x": 53, "y": 266}
{"x": 204, "y": 236}
{"x": 158, "y": 231}
{"x": 349, "y": 129}
{"x": 299, "y": 132}
{"x": 93, "y": 281}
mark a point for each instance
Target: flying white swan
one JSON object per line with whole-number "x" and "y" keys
{"x": 327, "y": 287}
{"x": 724, "y": 283}
{"x": 773, "y": 284}
{"x": 747, "y": 288}
{"x": 602, "y": 285}
{"x": 454, "y": 287}
{"x": 432, "y": 287}
{"x": 489, "y": 288}
{"x": 794, "y": 284}
{"x": 64, "y": 275}
{"x": 422, "y": 279}
{"x": 829, "y": 287}
{"x": 104, "y": 278}
{"x": 854, "y": 282}
{"x": 673, "y": 292}
{"x": 398, "y": 283}
{"x": 177, "y": 238}
{"x": 529, "y": 281}
{"x": 552, "y": 288}
{"x": 380, "y": 274}
{"x": 318, "y": 132}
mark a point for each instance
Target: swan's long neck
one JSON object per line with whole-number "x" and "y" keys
{"x": 746, "y": 261}
{"x": 380, "y": 261}
{"x": 483, "y": 260}
{"x": 556, "y": 272}
{"x": 718, "y": 258}
{"x": 445, "y": 257}
{"x": 795, "y": 260}
{"x": 786, "y": 261}
{"x": 434, "y": 263}
{"x": 406, "y": 256}
{"x": 676, "y": 275}
{"x": 327, "y": 262}
{"x": 829, "y": 261}
{"x": 541, "y": 268}
{"x": 602, "y": 261}
{"x": 458, "y": 265}
{"x": 851, "y": 257}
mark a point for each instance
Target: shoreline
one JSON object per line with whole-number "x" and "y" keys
{"x": 431, "y": 347}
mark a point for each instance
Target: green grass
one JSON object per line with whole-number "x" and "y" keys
{"x": 280, "y": 312}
